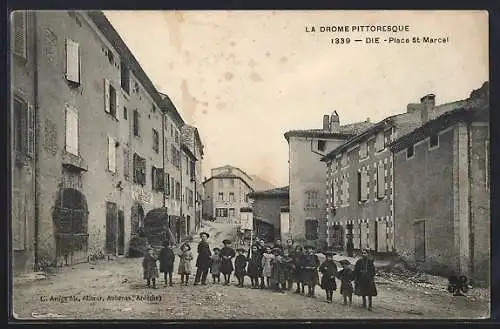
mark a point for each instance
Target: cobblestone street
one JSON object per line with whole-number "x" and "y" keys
{"x": 122, "y": 277}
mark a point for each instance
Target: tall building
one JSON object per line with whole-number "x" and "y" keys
{"x": 91, "y": 140}
{"x": 442, "y": 182}
{"x": 307, "y": 175}
{"x": 226, "y": 194}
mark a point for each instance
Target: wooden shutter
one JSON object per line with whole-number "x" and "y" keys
{"x": 30, "y": 133}
{"x": 71, "y": 130}
{"x": 72, "y": 61}
{"x": 363, "y": 186}
{"x": 19, "y": 26}
{"x": 111, "y": 154}
{"x": 117, "y": 104}
{"x": 154, "y": 184}
{"x": 107, "y": 109}
{"x": 126, "y": 164}
{"x": 167, "y": 184}
{"x": 380, "y": 180}
{"x": 143, "y": 171}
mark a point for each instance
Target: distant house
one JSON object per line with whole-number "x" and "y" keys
{"x": 442, "y": 182}
{"x": 307, "y": 175}
{"x": 270, "y": 213}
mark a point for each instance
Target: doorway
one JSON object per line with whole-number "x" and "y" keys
{"x": 178, "y": 230}
{"x": 111, "y": 227}
{"x": 188, "y": 225}
{"x": 419, "y": 238}
{"x": 121, "y": 233}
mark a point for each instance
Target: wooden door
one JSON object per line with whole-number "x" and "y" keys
{"x": 382, "y": 237}
{"x": 121, "y": 233}
{"x": 111, "y": 227}
{"x": 419, "y": 237}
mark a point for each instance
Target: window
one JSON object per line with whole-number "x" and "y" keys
{"x": 136, "y": 123}
{"x": 125, "y": 78}
{"x": 154, "y": 108}
{"x": 410, "y": 151}
{"x": 126, "y": 164}
{"x": 177, "y": 191}
{"x": 362, "y": 186}
{"x": 72, "y": 61}
{"x": 24, "y": 121}
{"x": 379, "y": 142}
{"x": 231, "y": 196}
{"x": 111, "y": 154}
{"x": 387, "y": 137}
{"x": 231, "y": 212}
{"x": 187, "y": 165}
{"x": 191, "y": 198}
{"x": 311, "y": 229}
{"x": 125, "y": 113}
{"x": 110, "y": 99}
{"x": 231, "y": 182}
{"x": 246, "y": 197}
{"x": 167, "y": 183}
{"x": 19, "y": 37}
{"x": 176, "y": 157}
{"x": 363, "y": 151}
{"x": 221, "y": 196}
{"x": 177, "y": 136}
{"x": 156, "y": 141}
{"x": 71, "y": 130}
{"x": 157, "y": 179}
{"x": 321, "y": 145}
{"x": 311, "y": 199}
{"x": 193, "y": 170}
{"x": 221, "y": 182}
{"x": 171, "y": 130}
{"x": 380, "y": 180}
{"x": 434, "y": 141}
{"x": 139, "y": 170}
{"x": 172, "y": 187}
{"x": 221, "y": 212}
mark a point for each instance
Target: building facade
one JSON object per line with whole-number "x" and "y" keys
{"x": 443, "y": 220}
{"x": 95, "y": 138}
{"x": 268, "y": 208}
{"x": 226, "y": 194}
{"x": 307, "y": 175}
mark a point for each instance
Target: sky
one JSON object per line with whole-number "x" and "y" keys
{"x": 244, "y": 78}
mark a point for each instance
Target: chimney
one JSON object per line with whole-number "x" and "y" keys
{"x": 326, "y": 122}
{"x": 428, "y": 102}
{"x": 334, "y": 122}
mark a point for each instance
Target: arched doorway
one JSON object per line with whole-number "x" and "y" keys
{"x": 70, "y": 217}
{"x": 137, "y": 218}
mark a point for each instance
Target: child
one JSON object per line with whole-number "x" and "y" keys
{"x": 240, "y": 264}
{"x": 149, "y": 267}
{"x": 185, "y": 263}
{"x": 277, "y": 271}
{"x": 167, "y": 261}
{"x": 215, "y": 261}
{"x": 310, "y": 270}
{"x": 288, "y": 268}
{"x": 364, "y": 279}
{"x": 226, "y": 267}
{"x": 254, "y": 266}
{"x": 267, "y": 266}
{"x": 328, "y": 270}
{"x": 346, "y": 276}
{"x": 297, "y": 269}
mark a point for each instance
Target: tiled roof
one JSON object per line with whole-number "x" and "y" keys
{"x": 345, "y": 131}
{"x": 275, "y": 192}
{"x": 440, "y": 123}
{"x": 227, "y": 175}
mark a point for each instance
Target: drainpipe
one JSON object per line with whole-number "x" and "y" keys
{"x": 469, "y": 200}
{"x": 36, "y": 141}
{"x": 163, "y": 153}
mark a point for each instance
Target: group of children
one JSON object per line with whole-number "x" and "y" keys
{"x": 276, "y": 268}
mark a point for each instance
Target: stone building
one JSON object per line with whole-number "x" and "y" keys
{"x": 226, "y": 194}
{"x": 89, "y": 130}
{"x": 307, "y": 175}
{"x": 442, "y": 183}
{"x": 270, "y": 213}
{"x": 360, "y": 180}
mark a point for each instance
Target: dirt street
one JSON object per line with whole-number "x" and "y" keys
{"x": 115, "y": 290}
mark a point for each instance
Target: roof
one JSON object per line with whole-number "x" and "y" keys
{"x": 225, "y": 175}
{"x": 114, "y": 38}
{"x": 345, "y": 131}
{"x": 232, "y": 167}
{"x": 363, "y": 135}
{"x": 275, "y": 192}
{"x": 440, "y": 123}
{"x": 188, "y": 151}
{"x": 171, "y": 109}
{"x": 191, "y": 137}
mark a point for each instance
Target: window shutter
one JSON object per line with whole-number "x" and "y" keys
{"x": 30, "y": 135}
{"x": 153, "y": 178}
{"x": 126, "y": 164}
{"x": 19, "y": 26}
{"x": 72, "y": 61}
{"x": 71, "y": 130}
{"x": 167, "y": 184}
{"x": 380, "y": 180}
{"x": 363, "y": 186}
{"x": 117, "y": 104}
{"x": 106, "y": 96}
{"x": 111, "y": 154}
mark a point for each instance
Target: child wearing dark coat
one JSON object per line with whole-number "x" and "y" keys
{"x": 254, "y": 266}
{"x": 329, "y": 271}
{"x": 226, "y": 267}
{"x": 167, "y": 258}
{"x": 277, "y": 271}
{"x": 215, "y": 261}
{"x": 310, "y": 264}
{"x": 346, "y": 276}
{"x": 240, "y": 264}
{"x": 150, "y": 268}
{"x": 298, "y": 256}
{"x": 288, "y": 268}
